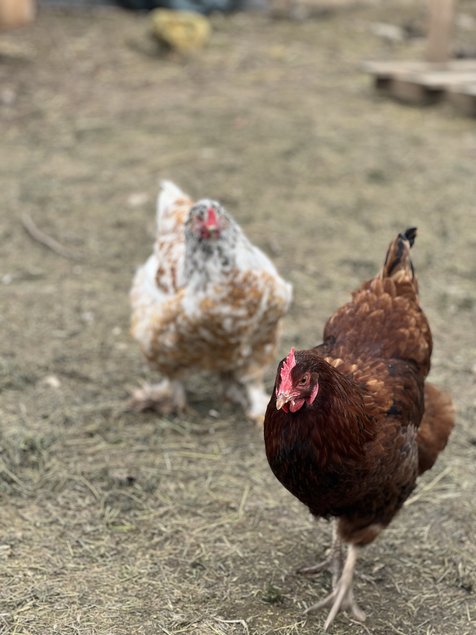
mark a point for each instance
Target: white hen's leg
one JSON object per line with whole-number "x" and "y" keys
{"x": 342, "y": 597}
{"x": 249, "y": 393}
{"x": 167, "y": 397}
{"x": 257, "y": 401}
{"x": 332, "y": 563}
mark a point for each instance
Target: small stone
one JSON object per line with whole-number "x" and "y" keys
{"x": 52, "y": 381}
{"x": 137, "y": 199}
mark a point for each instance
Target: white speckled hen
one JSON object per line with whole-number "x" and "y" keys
{"x": 205, "y": 300}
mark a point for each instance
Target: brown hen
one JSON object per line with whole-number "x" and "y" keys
{"x": 351, "y": 423}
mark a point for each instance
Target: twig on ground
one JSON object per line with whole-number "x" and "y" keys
{"x": 242, "y": 622}
{"x": 427, "y": 487}
{"x": 37, "y": 234}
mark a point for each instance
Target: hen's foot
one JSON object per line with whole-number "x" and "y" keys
{"x": 329, "y": 564}
{"x": 257, "y": 402}
{"x": 250, "y": 395}
{"x": 333, "y": 563}
{"x": 342, "y": 597}
{"x": 168, "y": 397}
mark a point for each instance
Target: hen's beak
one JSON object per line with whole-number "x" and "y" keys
{"x": 212, "y": 230}
{"x": 281, "y": 399}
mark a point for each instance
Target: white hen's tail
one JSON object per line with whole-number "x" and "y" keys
{"x": 169, "y": 194}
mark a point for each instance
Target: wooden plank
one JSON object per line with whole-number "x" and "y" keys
{"x": 443, "y": 79}
{"x": 421, "y": 88}
{"x": 440, "y": 30}
{"x": 389, "y": 68}
{"x": 397, "y": 67}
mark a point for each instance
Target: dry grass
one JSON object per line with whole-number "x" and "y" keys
{"x": 121, "y": 524}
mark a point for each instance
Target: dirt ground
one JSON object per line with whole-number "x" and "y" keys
{"x": 123, "y": 524}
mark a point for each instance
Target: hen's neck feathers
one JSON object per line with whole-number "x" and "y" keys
{"x": 336, "y": 424}
{"x": 208, "y": 260}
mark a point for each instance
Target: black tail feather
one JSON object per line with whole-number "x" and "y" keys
{"x": 410, "y": 235}
{"x": 398, "y": 256}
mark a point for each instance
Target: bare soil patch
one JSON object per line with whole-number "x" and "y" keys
{"x": 123, "y": 524}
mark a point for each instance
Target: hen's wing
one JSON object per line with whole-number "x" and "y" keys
{"x": 435, "y": 427}
{"x": 157, "y": 282}
{"x": 384, "y": 317}
{"x": 169, "y": 251}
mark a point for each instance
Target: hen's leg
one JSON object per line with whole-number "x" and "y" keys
{"x": 342, "y": 597}
{"x": 257, "y": 401}
{"x": 333, "y": 562}
{"x": 167, "y": 397}
{"x": 249, "y": 393}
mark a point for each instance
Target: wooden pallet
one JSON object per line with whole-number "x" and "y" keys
{"x": 421, "y": 82}
{"x": 438, "y": 77}
{"x": 463, "y": 96}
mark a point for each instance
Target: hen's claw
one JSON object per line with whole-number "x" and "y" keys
{"x": 342, "y": 597}
{"x": 249, "y": 393}
{"x": 166, "y": 398}
{"x": 332, "y": 563}
{"x": 325, "y": 565}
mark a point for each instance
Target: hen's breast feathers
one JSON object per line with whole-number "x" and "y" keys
{"x": 231, "y": 326}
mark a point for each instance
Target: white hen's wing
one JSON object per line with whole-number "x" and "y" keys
{"x": 158, "y": 281}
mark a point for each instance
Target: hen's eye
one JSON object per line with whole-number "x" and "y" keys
{"x": 303, "y": 381}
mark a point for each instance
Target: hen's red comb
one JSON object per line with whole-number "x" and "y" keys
{"x": 286, "y": 383}
{"x": 212, "y": 220}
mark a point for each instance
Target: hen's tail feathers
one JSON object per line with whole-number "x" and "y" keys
{"x": 168, "y": 195}
{"x": 397, "y": 261}
{"x": 435, "y": 427}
